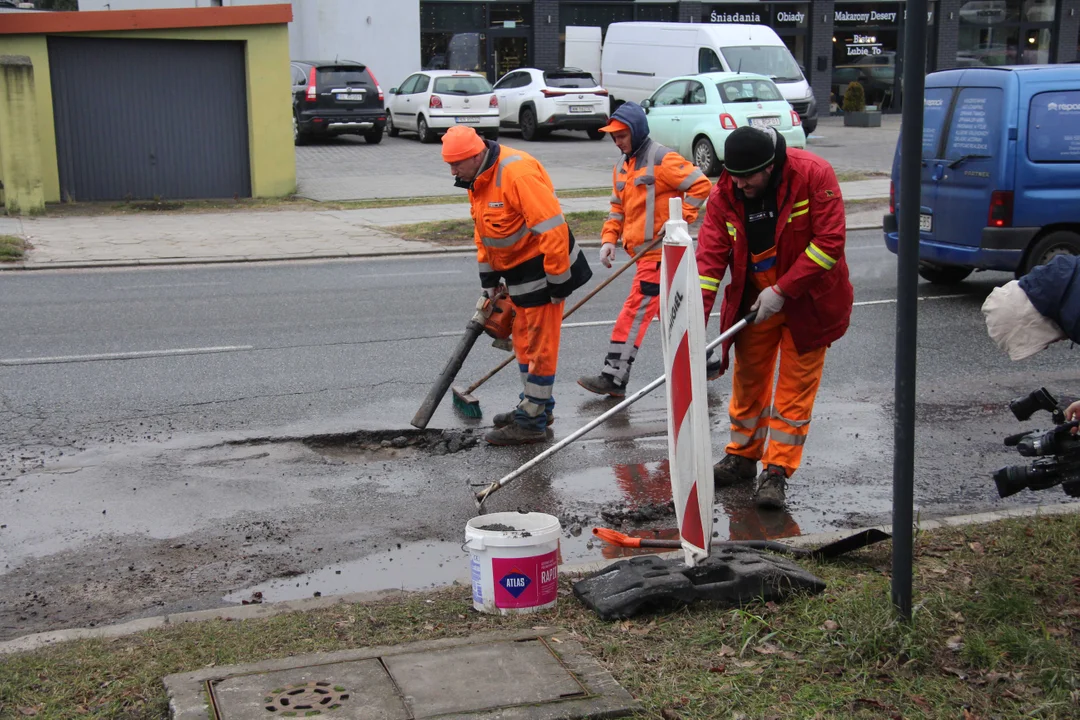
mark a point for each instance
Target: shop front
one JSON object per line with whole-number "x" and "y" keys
{"x": 791, "y": 21}
{"x": 868, "y": 39}
{"x": 491, "y": 38}
{"x": 1006, "y": 32}
{"x": 602, "y": 14}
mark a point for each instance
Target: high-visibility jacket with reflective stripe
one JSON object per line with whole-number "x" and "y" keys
{"x": 520, "y": 232}
{"x": 810, "y": 266}
{"x": 641, "y": 187}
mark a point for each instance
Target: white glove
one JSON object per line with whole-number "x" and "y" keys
{"x": 607, "y": 254}
{"x": 768, "y": 303}
{"x": 490, "y": 293}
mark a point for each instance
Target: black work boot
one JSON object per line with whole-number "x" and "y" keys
{"x": 713, "y": 361}
{"x": 733, "y": 470}
{"x": 771, "y": 489}
{"x": 603, "y": 384}
{"x": 504, "y": 419}
{"x": 514, "y": 434}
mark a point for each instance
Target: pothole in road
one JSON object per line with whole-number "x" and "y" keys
{"x": 368, "y": 445}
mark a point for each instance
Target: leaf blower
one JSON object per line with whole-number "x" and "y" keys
{"x": 494, "y": 316}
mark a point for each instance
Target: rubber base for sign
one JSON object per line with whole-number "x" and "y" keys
{"x": 731, "y": 576}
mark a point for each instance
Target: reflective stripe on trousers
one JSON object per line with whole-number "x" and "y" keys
{"x": 641, "y": 306}
{"x": 536, "y": 345}
{"x": 756, "y": 414}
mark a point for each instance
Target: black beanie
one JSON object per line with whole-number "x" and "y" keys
{"x": 748, "y": 150}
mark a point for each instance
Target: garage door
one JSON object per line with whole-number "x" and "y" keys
{"x": 142, "y": 119}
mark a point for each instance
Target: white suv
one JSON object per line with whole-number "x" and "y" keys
{"x": 433, "y": 101}
{"x": 538, "y": 101}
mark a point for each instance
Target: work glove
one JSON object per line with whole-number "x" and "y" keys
{"x": 607, "y": 254}
{"x": 769, "y": 302}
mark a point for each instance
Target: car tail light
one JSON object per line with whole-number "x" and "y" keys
{"x": 796, "y": 121}
{"x": 602, "y": 93}
{"x": 552, "y": 93}
{"x": 493, "y": 102}
{"x": 727, "y": 122}
{"x": 1001, "y": 209}
{"x": 375, "y": 83}
{"x": 892, "y": 198}
{"x": 435, "y": 102}
{"x": 312, "y": 92}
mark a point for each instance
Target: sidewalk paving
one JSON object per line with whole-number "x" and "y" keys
{"x": 246, "y": 236}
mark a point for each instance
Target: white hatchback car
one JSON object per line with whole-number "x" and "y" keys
{"x": 538, "y": 101}
{"x": 694, "y": 114}
{"x": 433, "y": 101}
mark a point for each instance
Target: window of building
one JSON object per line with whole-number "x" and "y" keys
{"x": 485, "y": 37}
{"x": 1005, "y": 32}
{"x": 602, "y": 14}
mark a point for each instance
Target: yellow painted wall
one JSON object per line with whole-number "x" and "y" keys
{"x": 33, "y": 46}
{"x": 270, "y": 139}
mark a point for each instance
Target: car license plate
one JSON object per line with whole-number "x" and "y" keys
{"x": 467, "y": 119}
{"x": 581, "y": 108}
{"x": 351, "y": 96}
{"x": 763, "y": 122}
{"x": 926, "y": 222}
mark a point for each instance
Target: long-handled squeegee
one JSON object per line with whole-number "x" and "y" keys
{"x": 484, "y": 494}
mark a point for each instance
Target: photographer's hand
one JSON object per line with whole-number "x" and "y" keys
{"x": 1072, "y": 413}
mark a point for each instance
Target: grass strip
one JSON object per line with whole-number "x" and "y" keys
{"x": 996, "y": 634}
{"x": 12, "y": 248}
{"x": 586, "y": 224}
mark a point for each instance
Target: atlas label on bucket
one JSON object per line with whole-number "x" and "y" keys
{"x": 526, "y": 582}
{"x": 477, "y": 580}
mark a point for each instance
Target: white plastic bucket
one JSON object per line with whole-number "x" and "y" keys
{"x": 514, "y": 570}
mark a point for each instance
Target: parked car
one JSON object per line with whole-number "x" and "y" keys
{"x": 1000, "y": 171}
{"x": 539, "y": 101}
{"x": 694, "y": 114}
{"x": 432, "y": 101}
{"x": 638, "y": 57}
{"x": 335, "y": 98}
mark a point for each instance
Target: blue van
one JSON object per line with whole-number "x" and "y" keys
{"x": 1000, "y": 171}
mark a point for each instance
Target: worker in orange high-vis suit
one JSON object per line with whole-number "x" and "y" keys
{"x": 776, "y": 219}
{"x": 646, "y": 176}
{"x": 522, "y": 240}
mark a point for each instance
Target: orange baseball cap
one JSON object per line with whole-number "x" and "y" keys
{"x": 614, "y": 126}
{"x": 461, "y": 143}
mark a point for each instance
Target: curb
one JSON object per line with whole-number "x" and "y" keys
{"x": 250, "y": 612}
{"x": 243, "y": 259}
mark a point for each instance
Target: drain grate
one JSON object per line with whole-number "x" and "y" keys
{"x": 306, "y": 700}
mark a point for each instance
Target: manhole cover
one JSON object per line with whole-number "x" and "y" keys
{"x": 307, "y": 700}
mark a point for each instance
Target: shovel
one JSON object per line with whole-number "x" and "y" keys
{"x": 831, "y": 550}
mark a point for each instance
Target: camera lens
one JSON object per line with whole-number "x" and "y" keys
{"x": 1011, "y": 480}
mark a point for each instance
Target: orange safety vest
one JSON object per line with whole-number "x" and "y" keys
{"x": 520, "y": 233}
{"x": 642, "y": 185}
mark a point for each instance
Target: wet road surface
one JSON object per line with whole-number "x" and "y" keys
{"x": 175, "y": 439}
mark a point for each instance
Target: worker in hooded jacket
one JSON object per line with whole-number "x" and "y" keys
{"x": 522, "y": 240}
{"x": 776, "y": 219}
{"x": 646, "y": 176}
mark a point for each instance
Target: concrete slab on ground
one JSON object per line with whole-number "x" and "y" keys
{"x": 531, "y": 675}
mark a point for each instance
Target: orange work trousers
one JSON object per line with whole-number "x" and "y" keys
{"x": 536, "y": 345}
{"x": 756, "y": 413}
{"x": 641, "y": 306}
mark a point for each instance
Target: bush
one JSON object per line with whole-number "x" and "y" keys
{"x": 854, "y": 98}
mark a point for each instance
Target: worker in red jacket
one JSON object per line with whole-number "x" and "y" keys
{"x": 776, "y": 218}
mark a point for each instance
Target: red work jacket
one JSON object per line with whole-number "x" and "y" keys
{"x": 810, "y": 266}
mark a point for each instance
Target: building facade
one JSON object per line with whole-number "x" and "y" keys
{"x": 836, "y": 41}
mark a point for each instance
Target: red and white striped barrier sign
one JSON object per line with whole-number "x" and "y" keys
{"x": 689, "y": 445}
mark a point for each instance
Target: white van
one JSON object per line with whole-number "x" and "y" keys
{"x": 639, "y": 57}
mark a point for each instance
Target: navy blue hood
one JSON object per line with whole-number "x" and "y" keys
{"x": 1054, "y": 290}
{"x": 633, "y": 116}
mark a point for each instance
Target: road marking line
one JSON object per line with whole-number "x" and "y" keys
{"x": 125, "y": 355}
{"x": 597, "y": 323}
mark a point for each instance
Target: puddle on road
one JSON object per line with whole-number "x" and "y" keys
{"x": 412, "y": 566}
